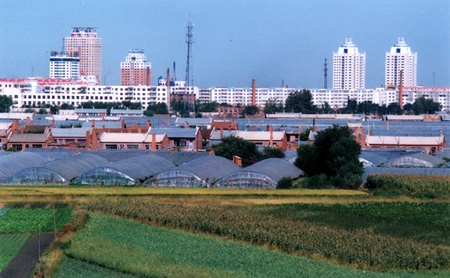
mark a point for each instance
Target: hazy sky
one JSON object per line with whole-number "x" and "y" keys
{"x": 234, "y": 41}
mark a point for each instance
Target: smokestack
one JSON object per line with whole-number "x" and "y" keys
{"x": 221, "y": 133}
{"x": 363, "y": 139}
{"x": 94, "y": 139}
{"x": 400, "y": 94}
{"x": 168, "y": 77}
{"x": 88, "y": 140}
{"x": 93, "y": 123}
{"x": 28, "y": 121}
{"x": 253, "y": 92}
{"x": 271, "y": 138}
{"x": 123, "y": 124}
{"x": 53, "y": 123}
{"x": 387, "y": 123}
{"x": 149, "y": 124}
{"x": 153, "y": 149}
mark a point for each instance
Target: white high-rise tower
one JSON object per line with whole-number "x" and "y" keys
{"x": 401, "y": 58}
{"x": 349, "y": 67}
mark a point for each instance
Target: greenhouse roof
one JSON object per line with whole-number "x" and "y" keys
{"x": 373, "y": 158}
{"x": 415, "y": 160}
{"x": 443, "y": 153}
{"x": 67, "y": 168}
{"x": 208, "y": 168}
{"x": 406, "y": 171}
{"x": 53, "y": 153}
{"x": 12, "y": 163}
{"x": 275, "y": 168}
{"x": 182, "y": 157}
{"x": 290, "y": 156}
{"x": 137, "y": 168}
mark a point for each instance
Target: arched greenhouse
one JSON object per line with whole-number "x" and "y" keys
{"x": 264, "y": 174}
{"x": 14, "y": 162}
{"x": 200, "y": 172}
{"x": 125, "y": 172}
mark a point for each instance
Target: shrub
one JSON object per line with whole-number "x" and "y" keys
{"x": 285, "y": 183}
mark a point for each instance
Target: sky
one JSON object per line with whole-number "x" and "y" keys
{"x": 234, "y": 40}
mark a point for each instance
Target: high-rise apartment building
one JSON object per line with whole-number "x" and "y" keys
{"x": 85, "y": 44}
{"x": 349, "y": 67}
{"x": 135, "y": 70}
{"x": 400, "y": 58}
{"x": 63, "y": 66}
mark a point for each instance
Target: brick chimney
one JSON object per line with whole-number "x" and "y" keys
{"x": 300, "y": 128}
{"x": 28, "y": 121}
{"x": 149, "y": 124}
{"x": 221, "y": 133}
{"x": 168, "y": 120}
{"x": 253, "y": 92}
{"x": 267, "y": 127}
{"x": 363, "y": 139}
{"x": 134, "y": 124}
{"x": 387, "y": 123}
{"x": 53, "y": 123}
{"x": 88, "y": 140}
{"x": 271, "y": 138}
{"x": 93, "y": 123}
{"x": 237, "y": 160}
{"x": 103, "y": 128}
{"x": 123, "y": 124}
{"x": 253, "y": 128}
{"x": 94, "y": 139}
{"x": 186, "y": 125}
{"x": 162, "y": 125}
{"x": 153, "y": 148}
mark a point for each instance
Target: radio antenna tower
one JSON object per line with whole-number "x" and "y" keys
{"x": 189, "y": 68}
{"x": 325, "y": 75}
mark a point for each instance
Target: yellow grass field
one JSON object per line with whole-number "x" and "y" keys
{"x": 11, "y": 191}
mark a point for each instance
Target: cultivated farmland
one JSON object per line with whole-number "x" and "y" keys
{"x": 10, "y": 244}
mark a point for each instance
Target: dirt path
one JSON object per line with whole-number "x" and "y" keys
{"x": 26, "y": 259}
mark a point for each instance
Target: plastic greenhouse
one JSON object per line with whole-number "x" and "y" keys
{"x": 415, "y": 160}
{"x": 58, "y": 171}
{"x": 125, "y": 172}
{"x": 200, "y": 172}
{"x": 371, "y": 159}
{"x": 406, "y": 171}
{"x": 14, "y": 162}
{"x": 264, "y": 174}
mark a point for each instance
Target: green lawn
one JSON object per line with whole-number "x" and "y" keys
{"x": 10, "y": 245}
{"x": 149, "y": 251}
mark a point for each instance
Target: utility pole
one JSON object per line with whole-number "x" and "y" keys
{"x": 189, "y": 67}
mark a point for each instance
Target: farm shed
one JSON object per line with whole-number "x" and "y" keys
{"x": 58, "y": 171}
{"x": 125, "y": 172}
{"x": 201, "y": 172}
{"x": 14, "y": 162}
{"x": 264, "y": 174}
{"x": 406, "y": 171}
{"x": 415, "y": 160}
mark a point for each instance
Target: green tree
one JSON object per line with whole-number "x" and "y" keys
{"x": 231, "y": 146}
{"x": 272, "y": 107}
{"x": 206, "y": 106}
{"x": 304, "y": 135}
{"x": 300, "y": 101}
{"x": 425, "y": 106}
{"x": 157, "y": 108}
{"x": 326, "y": 108}
{"x": 67, "y": 106}
{"x": 394, "y": 109}
{"x": 335, "y": 154}
{"x": 270, "y": 152}
{"x": 250, "y": 110}
{"x": 5, "y": 103}
{"x": 408, "y": 108}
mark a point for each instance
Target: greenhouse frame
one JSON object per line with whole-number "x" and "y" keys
{"x": 200, "y": 172}
{"x": 11, "y": 163}
{"x": 129, "y": 171}
{"x": 61, "y": 171}
{"x": 264, "y": 174}
{"x": 415, "y": 160}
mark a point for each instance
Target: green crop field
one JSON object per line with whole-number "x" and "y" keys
{"x": 10, "y": 244}
{"x": 359, "y": 248}
{"x": 74, "y": 268}
{"x": 27, "y": 220}
{"x": 148, "y": 251}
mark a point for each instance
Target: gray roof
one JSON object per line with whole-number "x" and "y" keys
{"x": 126, "y": 111}
{"x": 53, "y": 153}
{"x": 264, "y": 174}
{"x": 89, "y": 111}
{"x": 206, "y": 170}
{"x": 28, "y": 138}
{"x": 193, "y": 121}
{"x": 58, "y": 171}
{"x": 443, "y": 153}
{"x": 10, "y": 164}
{"x": 290, "y": 156}
{"x": 175, "y": 132}
{"x": 133, "y": 170}
{"x": 100, "y": 124}
{"x": 69, "y": 132}
{"x": 216, "y": 135}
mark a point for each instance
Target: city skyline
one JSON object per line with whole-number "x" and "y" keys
{"x": 233, "y": 42}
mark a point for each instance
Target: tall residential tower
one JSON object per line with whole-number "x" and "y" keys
{"x": 63, "y": 66}
{"x": 349, "y": 67}
{"x": 135, "y": 70}
{"x": 85, "y": 44}
{"x": 401, "y": 59}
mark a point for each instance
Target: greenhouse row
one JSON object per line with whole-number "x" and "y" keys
{"x": 135, "y": 168}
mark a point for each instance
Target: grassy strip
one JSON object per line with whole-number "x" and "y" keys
{"x": 156, "y": 252}
{"x": 421, "y": 221}
{"x": 24, "y": 220}
{"x": 350, "y": 247}
{"x": 10, "y": 245}
{"x": 149, "y": 191}
{"x": 74, "y": 268}
{"x": 414, "y": 185}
